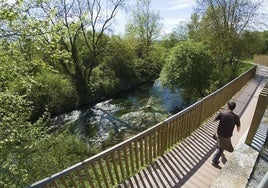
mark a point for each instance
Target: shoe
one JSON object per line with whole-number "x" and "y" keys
{"x": 223, "y": 159}
{"x": 215, "y": 163}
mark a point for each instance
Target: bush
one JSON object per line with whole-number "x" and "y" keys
{"x": 27, "y": 152}
{"x": 18, "y": 140}
{"x": 188, "y": 67}
{"x": 57, "y": 154}
{"x": 53, "y": 93}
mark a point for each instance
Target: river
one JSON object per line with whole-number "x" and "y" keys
{"x": 123, "y": 116}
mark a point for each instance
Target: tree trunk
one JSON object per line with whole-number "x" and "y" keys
{"x": 82, "y": 91}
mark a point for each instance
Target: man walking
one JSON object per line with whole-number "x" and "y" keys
{"x": 228, "y": 120}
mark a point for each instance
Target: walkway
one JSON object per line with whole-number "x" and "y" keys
{"x": 189, "y": 163}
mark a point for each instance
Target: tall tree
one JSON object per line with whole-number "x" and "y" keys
{"x": 144, "y": 26}
{"x": 253, "y": 43}
{"x": 179, "y": 33}
{"x": 225, "y": 20}
{"x": 194, "y": 27}
{"x": 59, "y": 28}
{"x": 86, "y": 21}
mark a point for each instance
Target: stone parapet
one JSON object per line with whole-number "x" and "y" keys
{"x": 238, "y": 168}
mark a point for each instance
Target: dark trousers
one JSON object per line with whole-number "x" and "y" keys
{"x": 218, "y": 154}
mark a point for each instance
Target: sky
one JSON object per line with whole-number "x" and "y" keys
{"x": 172, "y": 12}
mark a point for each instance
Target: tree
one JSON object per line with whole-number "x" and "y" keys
{"x": 19, "y": 138}
{"x": 179, "y": 33}
{"x": 24, "y": 142}
{"x": 144, "y": 27}
{"x": 87, "y": 21}
{"x": 194, "y": 27}
{"x": 188, "y": 67}
{"x": 252, "y": 44}
{"x": 59, "y": 28}
{"x": 265, "y": 41}
{"x": 224, "y": 21}
{"x": 117, "y": 70}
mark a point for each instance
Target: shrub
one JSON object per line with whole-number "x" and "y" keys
{"x": 52, "y": 92}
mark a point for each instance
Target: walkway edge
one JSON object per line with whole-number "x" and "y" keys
{"x": 237, "y": 170}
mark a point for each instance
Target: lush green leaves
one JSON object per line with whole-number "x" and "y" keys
{"x": 144, "y": 27}
{"x": 19, "y": 138}
{"x": 52, "y": 92}
{"x": 50, "y": 58}
{"x": 189, "y": 68}
{"x": 28, "y": 152}
{"x": 221, "y": 25}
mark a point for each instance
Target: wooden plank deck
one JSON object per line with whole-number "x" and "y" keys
{"x": 188, "y": 164}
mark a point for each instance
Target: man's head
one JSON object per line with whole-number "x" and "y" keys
{"x": 231, "y": 105}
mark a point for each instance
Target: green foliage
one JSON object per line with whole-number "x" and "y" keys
{"x": 118, "y": 61}
{"x": 189, "y": 68}
{"x": 146, "y": 69}
{"x": 103, "y": 82}
{"x": 18, "y": 139}
{"x": 222, "y": 76}
{"x": 45, "y": 61}
{"x": 252, "y": 43}
{"x": 194, "y": 27}
{"x": 144, "y": 27}
{"x": 14, "y": 67}
{"x": 120, "y": 68}
{"x": 52, "y": 92}
{"x": 178, "y": 34}
{"x": 62, "y": 152}
{"x": 222, "y": 26}
{"x": 156, "y": 59}
{"x": 28, "y": 152}
{"x": 265, "y": 42}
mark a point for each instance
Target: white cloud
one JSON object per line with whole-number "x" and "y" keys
{"x": 10, "y": 1}
{"x": 170, "y": 23}
{"x": 174, "y": 21}
{"x": 120, "y": 22}
{"x": 179, "y": 5}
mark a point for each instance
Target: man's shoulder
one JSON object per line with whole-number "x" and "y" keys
{"x": 237, "y": 116}
{"x": 229, "y": 114}
{"x": 224, "y": 113}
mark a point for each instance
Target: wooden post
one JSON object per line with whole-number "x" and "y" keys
{"x": 259, "y": 112}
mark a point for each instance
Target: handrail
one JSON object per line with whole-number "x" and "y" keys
{"x": 114, "y": 165}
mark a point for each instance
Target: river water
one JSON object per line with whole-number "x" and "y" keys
{"x": 125, "y": 115}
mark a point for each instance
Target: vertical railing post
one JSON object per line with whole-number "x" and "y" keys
{"x": 163, "y": 138}
{"x": 202, "y": 114}
{"x": 258, "y": 114}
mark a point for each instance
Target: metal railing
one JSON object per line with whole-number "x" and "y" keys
{"x": 116, "y": 164}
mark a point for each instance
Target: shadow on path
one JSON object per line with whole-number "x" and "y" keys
{"x": 175, "y": 167}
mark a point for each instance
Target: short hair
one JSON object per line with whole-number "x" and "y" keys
{"x": 231, "y": 105}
